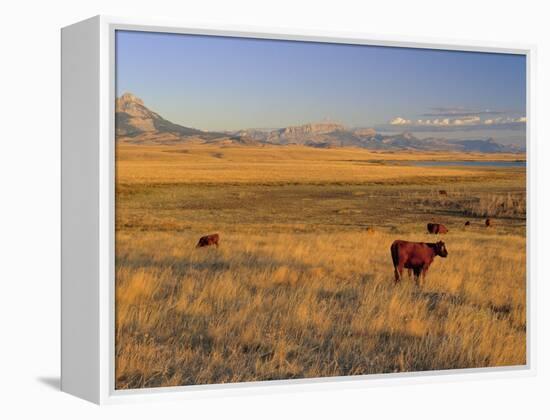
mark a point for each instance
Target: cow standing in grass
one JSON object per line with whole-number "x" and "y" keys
{"x": 437, "y": 228}
{"x": 208, "y": 240}
{"x": 415, "y": 256}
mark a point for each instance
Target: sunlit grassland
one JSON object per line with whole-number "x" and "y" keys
{"x": 299, "y": 287}
{"x": 276, "y": 164}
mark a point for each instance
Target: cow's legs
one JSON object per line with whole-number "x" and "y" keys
{"x": 417, "y": 275}
{"x": 424, "y": 271}
{"x": 398, "y": 271}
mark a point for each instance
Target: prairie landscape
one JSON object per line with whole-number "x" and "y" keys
{"x": 302, "y": 283}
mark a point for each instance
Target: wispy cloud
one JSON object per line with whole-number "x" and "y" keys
{"x": 458, "y": 118}
{"x": 505, "y": 120}
{"x": 456, "y": 112}
{"x": 400, "y": 121}
{"x": 466, "y": 120}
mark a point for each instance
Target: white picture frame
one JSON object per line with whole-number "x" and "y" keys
{"x": 88, "y": 168}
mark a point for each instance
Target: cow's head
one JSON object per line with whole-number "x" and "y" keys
{"x": 440, "y": 249}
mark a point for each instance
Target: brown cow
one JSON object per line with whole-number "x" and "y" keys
{"x": 467, "y": 223}
{"x": 442, "y": 192}
{"x": 488, "y": 222}
{"x": 208, "y": 240}
{"x": 415, "y": 256}
{"x": 437, "y": 228}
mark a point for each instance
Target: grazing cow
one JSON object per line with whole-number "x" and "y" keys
{"x": 467, "y": 223}
{"x": 415, "y": 256}
{"x": 488, "y": 222}
{"x": 370, "y": 230}
{"x": 437, "y": 228}
{"x": 442, "y": 192}
{"x": 208, "y": 240}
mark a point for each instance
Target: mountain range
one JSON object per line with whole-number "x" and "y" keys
{"x": 135, "y": 123}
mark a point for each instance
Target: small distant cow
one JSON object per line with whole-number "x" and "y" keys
{"x": 415, "y": 256}
{"x": 442, "y": 192}
{"x": 467, "y": 223}
{"x": 370, "y": 230}
{"x": 488, "y": 222}
{"x": 208, "y": 240}
{"x": 437, "y": 228}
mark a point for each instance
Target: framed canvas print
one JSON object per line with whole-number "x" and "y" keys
{"x": 242, "y": 209}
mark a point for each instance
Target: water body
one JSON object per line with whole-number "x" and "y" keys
{"x": 495, "y": 163}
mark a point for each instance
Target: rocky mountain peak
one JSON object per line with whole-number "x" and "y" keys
{"x": 132, "y": 105}
{"x": 313, "y": 128}
{"x": 128, "y": 98}
{"x": 134, "y": 119}
{"x": 365, "y": 132}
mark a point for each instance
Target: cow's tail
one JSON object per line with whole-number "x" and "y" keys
{"x": 394, "y": 254}
{"x": 395, "y": 258}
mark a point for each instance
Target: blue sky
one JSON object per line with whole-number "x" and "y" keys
{"x": 223, "y": 83}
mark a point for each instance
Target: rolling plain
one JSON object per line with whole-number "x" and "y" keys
{"x": 302, "y": 285}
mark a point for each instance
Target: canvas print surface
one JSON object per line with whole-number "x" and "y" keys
{"x": 302, "y": 210}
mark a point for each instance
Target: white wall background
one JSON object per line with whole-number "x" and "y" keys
{"x": 29, "y": 214}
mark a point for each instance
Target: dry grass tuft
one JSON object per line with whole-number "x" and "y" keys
{"x": 498, "y": 205}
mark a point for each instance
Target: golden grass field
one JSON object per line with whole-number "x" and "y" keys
{"x": 299, "y": 288}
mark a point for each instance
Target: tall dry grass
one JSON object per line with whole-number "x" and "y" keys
{"x": 274, "y": 306}
{"x": 299, "y": 287}
{"x": 498, "y": 205}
